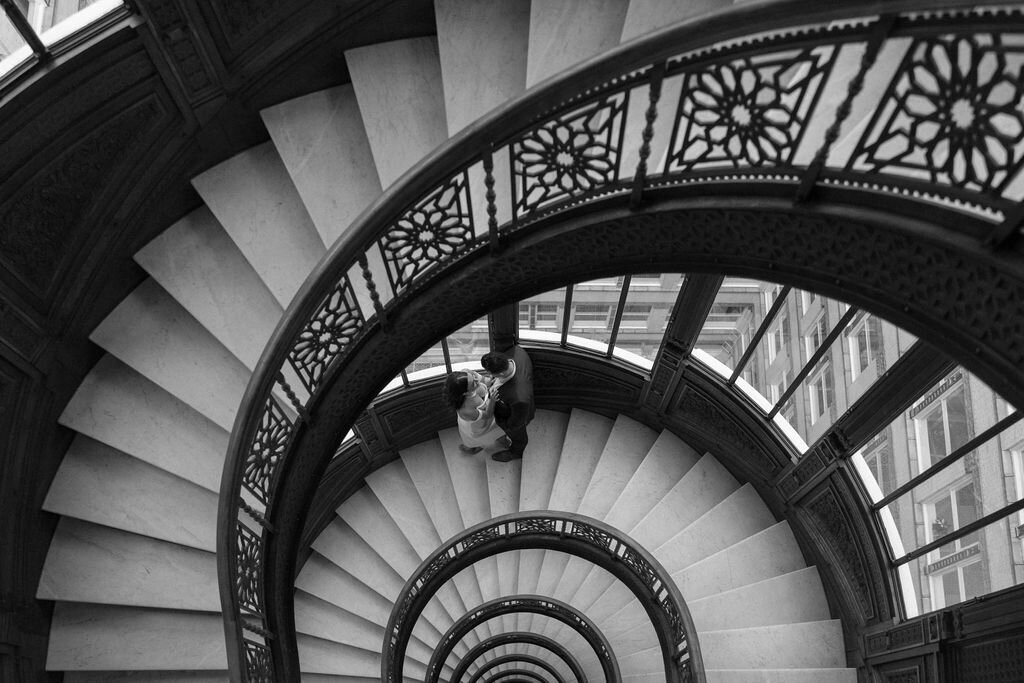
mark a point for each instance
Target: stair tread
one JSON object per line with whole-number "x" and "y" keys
{"x": 565, "y": 33}
{"x": 322, "y": 142}
{"x": 254, "y": 199}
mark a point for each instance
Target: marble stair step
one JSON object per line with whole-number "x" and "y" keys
{"x": 468, "y": 487}
{"x": 585, "y": 440}
{"x": 100, "y": 484}
{"x": 624, "y": 450}
{"x": 172, "y": 349}
{"x": 324, "y": 580}
{"x": 538, "y": 468}
{"x": 86, "y": 637}
{"x": 740, "y": 515}
{"x": 394, "y": 494}
{"x": 322, "y": 142}
{"x": 196, "y": 262}
{"x": 253, "y": 197}
{"x": 790, "y": 598}
{"x": 89, "y": 563}
{"x": 781, "y": 675}
{"x": 401, "y": 99}
{"x": 565, "y": 33}
{"x": 807, "y": 645}
{"x": 428, "y": 469}
{"x": 147, "y": 676}
{"x": 117, "y": 406}
{"x": 317, "y": 655}
{"x": 766, "y": 554}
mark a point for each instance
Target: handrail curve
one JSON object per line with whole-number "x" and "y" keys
{"x": 517, "y": 638}
{"x": 586, "y": 135}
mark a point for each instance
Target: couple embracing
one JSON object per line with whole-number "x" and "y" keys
{"x": 495, "y": 405}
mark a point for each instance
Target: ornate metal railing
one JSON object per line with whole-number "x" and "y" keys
{"x": 518, "y": 638}
{"x": 522, "y": 673}
{"x": 533, "y": 604}
{"x": 925, "y": 107}
{"x": 573, "y": 534}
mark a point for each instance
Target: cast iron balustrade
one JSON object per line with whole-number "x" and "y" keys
{"x": 944, "y": 130}
{"x": 532, "y": 604}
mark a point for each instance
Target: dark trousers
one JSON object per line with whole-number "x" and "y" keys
{"x": 519, "y": 439}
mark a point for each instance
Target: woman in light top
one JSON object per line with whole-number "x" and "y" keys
{"x": 472, "y": 395}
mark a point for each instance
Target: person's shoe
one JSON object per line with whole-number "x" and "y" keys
{"x": 470, "y": 450}
{"x": 504, "y": 442}
{"x": 506, "y": 456}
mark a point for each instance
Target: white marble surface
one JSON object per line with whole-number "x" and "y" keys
{"x": 630, "y": 630}
{"x": 152, "y": 333}
{"x": 254, "y": 199}
{"x": 584, "y": 442}
{"x": 482, "y": 47}
{"x": 317, "y": 655}
{"x": 87, "y": 562}
{"x": 815, "y": 644}
{"x": 645, "y": 16}
{"x": 100, "y": 484}
{"x": 623, "y": 452}
{"x": 767, "y": 553}
{"x": 705, "y": 485}
{"x": 101, "y": 637}
{"x": 664, "y": 465}
{"x": 781, "y": 676}
{"x": 148, "y": 676}
{"x": 540, "y": 461}
{"x": 565, "y": 32}
{"x": 196, "y": 262}
{"x": 741, "y": 514}
{"x": 394, "y": 488}
{"x": 786, "y": 599}
{"x": 321, "y": 619}
{"x": 401, "y": 98}
{"x": 322, "y": 142}
{"x": 118, "y": 406}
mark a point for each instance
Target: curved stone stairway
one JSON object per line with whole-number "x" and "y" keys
{"x": 760, "y": 613}
{"x": 131, "y": 567}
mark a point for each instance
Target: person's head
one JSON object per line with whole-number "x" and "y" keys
{"x": 458, "y": 385}
{"x": 494, "y": 363}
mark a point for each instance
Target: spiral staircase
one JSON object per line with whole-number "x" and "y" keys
{"x": 132, "y": 567}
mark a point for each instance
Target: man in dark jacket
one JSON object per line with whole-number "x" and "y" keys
{"x": 514, "y": 409}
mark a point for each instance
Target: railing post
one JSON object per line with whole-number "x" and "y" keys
{"x": 640, "y": 177}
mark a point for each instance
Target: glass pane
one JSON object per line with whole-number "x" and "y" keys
{"x": 13, "y": 49}
{"x": 649, "y": 305}
{"x": 990, "y": 560}
{"x": 776, "y": 358}
{"x": 430, "y": 364}
{"x": 593, "y": 312}
{"x": 542, "y": 315}
{"x": 468, "y": 344}
{"x": 57, "y": 19}
{"x": 733, "y": 319}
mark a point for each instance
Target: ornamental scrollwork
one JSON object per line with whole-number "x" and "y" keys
{"x": 748, "y": 112}
{"x": 258, "y": 665}
{"x": 570, "y": 155}
{"x": 267, "y": 451}
{"x": 432, "y": 232}
{"x": 326, "y": 334}
{"x": 248, "y": 570}
{"x": 953, "y": 114}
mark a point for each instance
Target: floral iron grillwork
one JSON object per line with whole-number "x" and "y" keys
{"x": 249, "y": 570}
{"x": 258, "y": 665}
{"x": 748, "y": 112}
{"x": 267, "y": 451}
{"x": 953, "y": 114}
{"x": 570, "y": 155}
{"x": 327, "y": 334}
{"x": 435, "y": 230}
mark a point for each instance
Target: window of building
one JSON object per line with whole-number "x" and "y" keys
{"x": 636, "y": 316}
{"x": 942, "y": 427}
{"x": 778, "y": 336}
{"x": 807, "y": 300}
{"x": 878, "y": 457}
{"x": 815, "y": 335}
{"x": 591, "y": 315}
{"x": 861, "y": 343}
{"x": 821, "y": 391}
{"x": 955, "y": 570}
{"x": 538, "y": 316}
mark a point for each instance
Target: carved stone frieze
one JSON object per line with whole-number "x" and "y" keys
{"x": 423, "y": 413}
{"x": 563, "y": 382}
{"x": 995, "y": 661}
{"x": 837, "y": 537}
{"x": 39, "y": 225}
{"x": 240, "y": 17}
{"x": 182, "y": 47}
